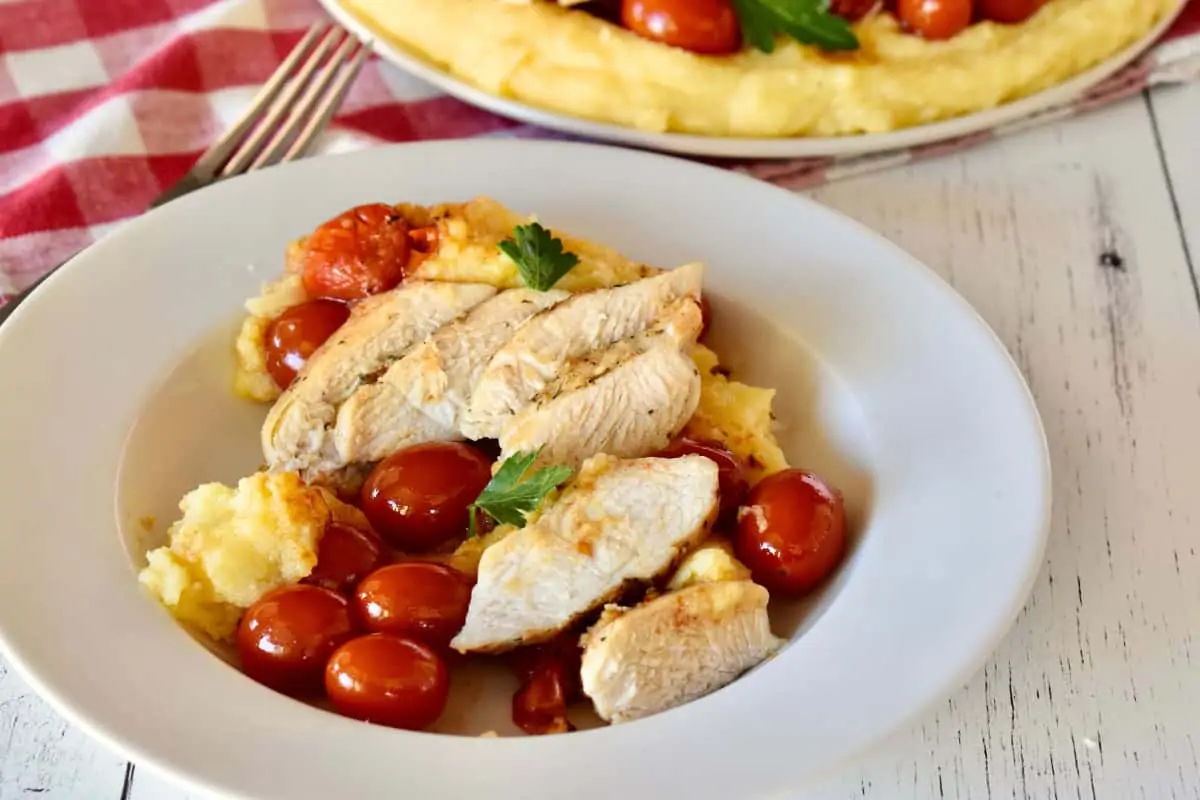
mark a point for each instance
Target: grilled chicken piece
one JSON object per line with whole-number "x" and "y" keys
{"x": 619, "y": 522}
{"x": 522, "y": 369}
{"x": 422, "y": 396}
{"x": 381, "y": 329}
{"x": 627, "y": 400}
{"x": 675, "y": 648}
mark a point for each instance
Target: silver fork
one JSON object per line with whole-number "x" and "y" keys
{"x": 282, "y": 122}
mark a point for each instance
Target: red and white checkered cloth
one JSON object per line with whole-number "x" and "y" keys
{"x": 105, "y": 103}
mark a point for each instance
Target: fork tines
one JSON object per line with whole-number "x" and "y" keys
{"x": 292, "y": 107}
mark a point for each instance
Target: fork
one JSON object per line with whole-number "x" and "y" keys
{"x": 280, "y": 125}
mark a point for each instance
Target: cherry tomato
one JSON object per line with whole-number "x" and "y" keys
{"x": 935, "y": 19}
{"x": 1008, "y": 11}
{"x": 417, "y": 498}
{"x": 345, "y": 556}
{"x": 286, "y": 637}
{"x": 421, "y": 599}
{"x": 388, "y": 680}
{"x": 361, "y": 252}
{"x": 731, "y": 472}
{"x": 852, "y": 10}
{"x": 563, "y": 651}
{"x": 791, "y": 531}
{"x": 701, "y": 26}
{"x": 540, "y": 705}
{"x": 296, "y": 334}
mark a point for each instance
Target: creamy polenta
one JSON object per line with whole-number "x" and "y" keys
{"x": 566, "y": 60}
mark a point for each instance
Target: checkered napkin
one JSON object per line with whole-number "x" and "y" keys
{"x": 105, "y": 103}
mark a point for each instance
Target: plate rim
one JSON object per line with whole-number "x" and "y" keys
{"x": 778, "y": 148}
{"x": 1019, "y": 597}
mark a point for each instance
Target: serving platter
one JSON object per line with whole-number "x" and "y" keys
{"x": 731, "y": 147}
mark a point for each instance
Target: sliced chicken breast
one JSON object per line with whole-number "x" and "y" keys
{"x": 675, "y": 648}
{"x": 627, "y": 400}
{"x": 422, "y": 397}
{"x": 523, "y": 368}
{"x": 381, "y": 329}
{"x": 620, "y": 522}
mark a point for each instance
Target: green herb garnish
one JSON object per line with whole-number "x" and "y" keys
{"x": 539, "y": 257}
{"x": 511, "y": 494}
{"x": 806, "y": 21}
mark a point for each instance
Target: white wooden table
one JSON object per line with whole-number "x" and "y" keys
{"x": 1080, "y": 245}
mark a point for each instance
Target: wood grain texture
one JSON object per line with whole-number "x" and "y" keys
{"x": 1176, "y": 118}
{"x": 43, "y": 756}
{"x": 1065, "y": 240}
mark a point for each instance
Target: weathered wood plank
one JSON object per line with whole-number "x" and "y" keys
{"x": 43, "y": 756}
{"x": 1176, "y": 117}
{"x": 1065, "y": 241}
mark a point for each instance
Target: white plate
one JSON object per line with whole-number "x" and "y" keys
{"x": 733, "y": 147}
{"x": 887, "y": 382}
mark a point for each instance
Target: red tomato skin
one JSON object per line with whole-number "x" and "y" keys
{"x": 935, "y": 20}
{"x": 1008, "y": 12}
{"x": 360, "y": 252}
{"x": 345, "y": 556}
{"x": 284, "y": 639}
{"x": 852, "y": 10}
{"x": 292, "y": 337}
{"x": 418, "y": 599}
{"x": 388, "y": 680}
{"x": 539, "y": 707}
{"x": 707, "y": 27}
{"x": 791, "y": 532}
{"x": 417, "y": 498}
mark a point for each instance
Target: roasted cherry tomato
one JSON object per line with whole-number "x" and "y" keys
{"x": 421, "y": 599}
{"x": 731, "y": 472}
{"x": 935, "y": 19}
{"x": 1008, "y": 11}
{"x": 286, "y": 637}
{"x": 345, "y": 556}
{"x": 540, "y": 705}
{"x": 701, "y": 26}
{"x": 791, "y": 531}
{"x": 852, "y": 10}
{"x": 361, "y": 252}
{"x": 389, "y": 680}
{"x": 563, "y": 651}
{"x": 296, "y": 334}
{"x": 417, "y": 498}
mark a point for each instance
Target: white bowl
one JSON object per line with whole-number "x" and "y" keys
{"x": 749, "y": 147}
{"x": 889, "y": 385}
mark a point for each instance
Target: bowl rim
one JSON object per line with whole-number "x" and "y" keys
{"x": 53, "y": 293}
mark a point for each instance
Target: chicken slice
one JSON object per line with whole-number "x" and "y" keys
{"x": 620, "y": 522}
{"x": 675, "y": 648}
{"x": 627, "y": 400}
{"x": 381, "y": 329}
{"x": 523, "y": 368}
{"x": 422, "y": 396}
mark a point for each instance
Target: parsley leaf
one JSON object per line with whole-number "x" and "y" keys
{"x": 806, "y": 21}
{"x": 511, "y": 494}
{"x": 539, "y": 256}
